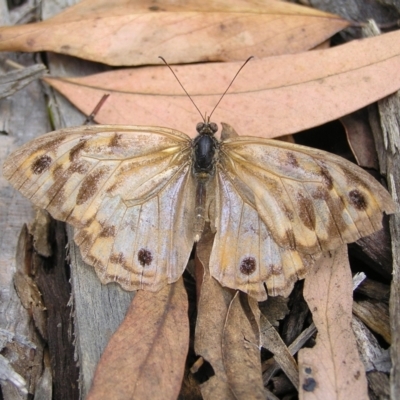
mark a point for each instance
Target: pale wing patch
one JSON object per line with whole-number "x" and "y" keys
{"x": 245, "y": 255}
{"x": 310, "y": 200}
{"x": 127, "y": 190}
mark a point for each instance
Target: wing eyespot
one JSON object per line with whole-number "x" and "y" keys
{"x": 145, "y": 257}
{"x": 248, "y": 265}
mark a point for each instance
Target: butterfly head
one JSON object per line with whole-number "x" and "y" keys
{"x": 206, "y": 128}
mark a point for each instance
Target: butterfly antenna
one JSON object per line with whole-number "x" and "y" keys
{"x": 197, "y": 108}
{"x": 237, "y": 73}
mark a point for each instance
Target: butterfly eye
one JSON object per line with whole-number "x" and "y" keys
{"x": 200, "y": 127}
{"x": 213, "y": 127}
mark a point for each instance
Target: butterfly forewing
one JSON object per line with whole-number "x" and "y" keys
{"x": 128, "y": 191}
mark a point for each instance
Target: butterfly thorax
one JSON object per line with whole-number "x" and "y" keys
{"x": 205, "y": 148}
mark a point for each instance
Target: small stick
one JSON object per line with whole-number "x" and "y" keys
{"x": 90, "y": 117}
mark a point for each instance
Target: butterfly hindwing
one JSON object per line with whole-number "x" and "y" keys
{"x": 128, "y": 191}
{"x": 245, "y": 255}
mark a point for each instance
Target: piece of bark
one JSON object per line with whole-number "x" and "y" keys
{"x": 373, "y": 356}
{"x": 378, "y": 383}
{"x": 99, "y": 310}
{"x": 12, "y": 81}
{"x": 375, "y": 316}
{"x": 294, "y": 323}
{"x": 23, "y": 116}
{"x": 52, "y": 278}
{"x": 386, "y": 128}
{"x": 374, "y": 290}
{"x": 375, "y": 250}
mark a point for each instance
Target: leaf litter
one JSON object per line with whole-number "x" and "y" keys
{"x": 331, "y": 76}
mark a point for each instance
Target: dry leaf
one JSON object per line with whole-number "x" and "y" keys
{"x": 241, "y": 349}
{"x": 332, "y": 368}
{"x": 271, "y": 341}
{"x": 360, "y": 139}
{"x": 145, "y": 357}
{"x": 272, "y": 96}
{"x": 213, "y": 306}
{"x": 134, "y": 33}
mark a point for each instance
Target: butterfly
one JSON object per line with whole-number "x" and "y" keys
{"x": 139, "y": 196}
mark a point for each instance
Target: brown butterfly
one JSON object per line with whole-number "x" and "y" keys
{"x": 138, "y": 197}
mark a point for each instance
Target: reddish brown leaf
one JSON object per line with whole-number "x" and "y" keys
{"x": 124, "y": 32}
{"x": 332, "y": 368}
{"x": 270, "y": 98}
{"x": 145, "y": 358}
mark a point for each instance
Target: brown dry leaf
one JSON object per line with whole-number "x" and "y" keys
{"x": 271, "y": 340}
{"x": 241, "y": 349}
{"x": 271, "y": 97}
{"x": 360, "y": 139}
{"x": 134, "y": 33}
{"x": 332, "y": 368}
{"x": 145, "y": 357}
{"x": 213, "y": 306}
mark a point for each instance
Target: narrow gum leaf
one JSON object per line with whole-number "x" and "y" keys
{"x": 332, "y": 369}
{"x": 271, "y": 97}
